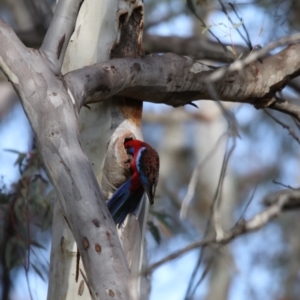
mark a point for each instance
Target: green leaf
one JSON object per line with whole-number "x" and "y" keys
{"x": 12, "y": 255}
{"x": 206, "y": 28}
{"x": 18, "y": 209}
{"x": 19, "y": 242}
{"x": 39, "y": 272}
{"x": 13, "y": 151}
{"x": 155, "y": 232}
{"x": 163, "y": 218}
{"x": 36, "y": 244}
{"x": 222, "y": 24}
{"x": 21, "y": 156}
{"x": 4, "y": 199}
{"x": 237, "y": 25}
{"x": 20, "y": 159}
{"x": 230, "y": 49}
{"x": 8, "y": 253}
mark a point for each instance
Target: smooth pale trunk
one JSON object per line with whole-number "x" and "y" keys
{"x": 97, "y": 30}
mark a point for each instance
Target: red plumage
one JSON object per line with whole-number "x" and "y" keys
{"x": 144, "y": 168}
{"x": 145, "y": 164}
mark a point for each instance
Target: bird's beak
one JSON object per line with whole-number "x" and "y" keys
{"x": 149, "y": 194}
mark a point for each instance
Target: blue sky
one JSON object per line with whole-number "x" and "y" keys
{"x": 15, "y": 134}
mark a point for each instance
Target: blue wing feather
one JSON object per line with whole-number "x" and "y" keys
{"x": 118, "y": 198}
{"x": 123, "y": 203}
{"x": 148, "y": 187}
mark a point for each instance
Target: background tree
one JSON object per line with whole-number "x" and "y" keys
{"x": 196, "y": 145}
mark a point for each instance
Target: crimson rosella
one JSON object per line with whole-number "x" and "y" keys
{"x": 144, "y": 168}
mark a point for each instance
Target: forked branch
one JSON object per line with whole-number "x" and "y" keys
{"x": 58, "y": 35}
{"x": 279, "y": 202}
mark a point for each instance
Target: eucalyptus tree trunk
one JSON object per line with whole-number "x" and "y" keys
{"x": 101, "y": 33}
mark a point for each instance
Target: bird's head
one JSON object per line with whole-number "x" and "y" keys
{"x": 132, "y": 146}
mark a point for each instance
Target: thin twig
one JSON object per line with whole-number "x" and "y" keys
{"x": 202, "y": 277}
{"x": 191, "y": 7}
{"x": 214, "y": 206}
{"x": 85, "y": 279}
{"x": 194, "y": 273}
{"x": 193, "y": 181}
{"x": 28, "y": 284}
{"x": 285, "y": 185}
{"x": 241, "y": 63}
{"x": 286, "y": 107}
{"x": 285, "y": 126}
{"x": 296, "y": 123}
{"x": 246, "y": 40}
{"x": 217, "y": 199}
{"x": 246, "y": 206}
{"x": 228, "y": 115}
{"x": 282, "y": 199}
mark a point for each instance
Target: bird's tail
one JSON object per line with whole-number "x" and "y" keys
{"x": 123, "y": 203}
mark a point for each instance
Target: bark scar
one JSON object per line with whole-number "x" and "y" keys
{"x": 98, "y": 248}
{"x": 86, "y": 243}
{"x": 60, "y": 45}
{"x": 96, "y": 223}
{"x": 77, "y": 265}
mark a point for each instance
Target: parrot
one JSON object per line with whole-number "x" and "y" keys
{"x": 144, "y": 171}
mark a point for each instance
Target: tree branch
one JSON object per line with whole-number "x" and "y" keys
{"x": 291, "y": 199}
{"x": 278, "y": 202}
{"x": 287, "y": 108}
{"x": 13, "y": 43}
{"x": 254, "y": 56}
{"x": 176, "y": 80}
{"x": 285, "y": 126}
{"x": 197, "y": 47}
{"x": 58, "y": 35}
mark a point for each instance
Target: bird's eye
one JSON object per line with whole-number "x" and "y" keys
{"x": 130, "y": 150}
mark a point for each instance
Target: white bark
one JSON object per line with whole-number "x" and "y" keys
{"x": 98, "y": 27}
{"x": 78, "y": 55}
{"x": 62, "y": 284}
